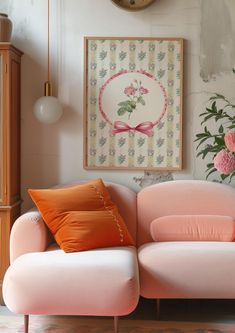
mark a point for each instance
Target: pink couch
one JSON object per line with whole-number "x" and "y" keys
{"x": 42, "y": 279}
{"x": 185, "y": 269}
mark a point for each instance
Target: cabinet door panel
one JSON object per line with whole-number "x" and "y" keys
{"x": 14, "y": 124}
{"x": 2, "y": 159}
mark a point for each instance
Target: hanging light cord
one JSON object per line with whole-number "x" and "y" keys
{"x": 47, "y": 109}
{"x": 47, "y": 85}
{"x": 48, "y": 44}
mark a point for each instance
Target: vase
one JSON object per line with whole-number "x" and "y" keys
{"x": 5, "y": 28}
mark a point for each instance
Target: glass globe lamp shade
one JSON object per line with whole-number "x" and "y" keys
{"x": 47, "y": 109}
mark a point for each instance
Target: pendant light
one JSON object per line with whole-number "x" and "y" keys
{"x": 47, "y": 109}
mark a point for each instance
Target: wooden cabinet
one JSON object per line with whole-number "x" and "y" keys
{"x": 9, "y": 148}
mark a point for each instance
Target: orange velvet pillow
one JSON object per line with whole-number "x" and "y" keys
{"x": 82, "y": 217}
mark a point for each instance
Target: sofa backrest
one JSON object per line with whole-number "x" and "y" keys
{"x": 182, "y": 197}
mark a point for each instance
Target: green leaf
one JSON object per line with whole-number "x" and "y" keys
{"x": 217, "y": 96}
{"x": 200, "y": 135}
{"x": 202, "y": 114}
{"x": 206, "y": 118}
{"x": 217, "y": 118}
{"x": 221, "y": 129}
{"x": 202, "y": 140}
{"x": 215, "y": 148}
{"x": 200, "y": 153}
{"x": 198, "y": 139}
{"x": 121, "y": 111}
{"x": 209, "y": 149}
{"x": 124, "y": 104}
{"x": 209, "y": 165}
{"x": 127, "y": 106}
{"x": 204, "y": 152}
{"x": 212, "y": 171}
{"x": 206, "y": 131}
{"x": 219, "y": 141}
{"x": 214, "y": 107}
{"x": 223, "y": 176}
{"x": 209, "y": 110}
{"x": 132, "y": 104}
{"x": 231, "y": 176}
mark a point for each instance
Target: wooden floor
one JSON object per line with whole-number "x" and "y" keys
{"x": 222, "y": 311}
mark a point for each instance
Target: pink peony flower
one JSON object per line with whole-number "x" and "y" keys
{"x": 229, "y": 140}
{"x": 224, "y": 162}
{"x": 143, "y": 90}
{"x": 130, "y": 90}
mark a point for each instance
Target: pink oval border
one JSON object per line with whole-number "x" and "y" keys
{"x": 126, "y": 72}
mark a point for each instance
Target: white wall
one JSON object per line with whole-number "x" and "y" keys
{"x": 53, "y": 154}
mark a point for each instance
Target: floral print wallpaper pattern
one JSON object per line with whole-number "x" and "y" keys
{"x": 134, "y": 120}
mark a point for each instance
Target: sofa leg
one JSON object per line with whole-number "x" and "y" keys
{"x": 158, "y": 308}
{"x": 26, "y": 323}
{"x": 116, "y": 324}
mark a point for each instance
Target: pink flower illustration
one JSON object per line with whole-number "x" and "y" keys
{"x": 130, "y": 90}
{"x": 224, "y": 162}
{"x": 143, "y": 90}
{"x": 134, "y": 92}
{"x": 229, "y": 140}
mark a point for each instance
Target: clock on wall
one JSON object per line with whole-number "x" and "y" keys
{"x": 133, "y": 4}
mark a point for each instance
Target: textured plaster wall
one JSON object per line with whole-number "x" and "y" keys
{"x": 53, "y": 154}
{"x": 217, "y": 38}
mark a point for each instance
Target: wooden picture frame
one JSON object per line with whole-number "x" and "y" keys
{"x": 133, "y": 90}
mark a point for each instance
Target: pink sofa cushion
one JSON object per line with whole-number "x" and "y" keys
{"x": 100, "y": 282}
{"x": 187, "y": 270}
{"x": 193, "y": 228}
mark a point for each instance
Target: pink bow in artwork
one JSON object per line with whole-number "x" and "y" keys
{"x": 145, "y": 127}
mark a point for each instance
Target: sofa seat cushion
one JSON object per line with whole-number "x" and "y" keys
{"x": 187, "y": 270}
{"x": 96, "y": 282}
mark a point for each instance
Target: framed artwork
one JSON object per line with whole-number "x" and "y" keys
{"x": 133, "y": 103}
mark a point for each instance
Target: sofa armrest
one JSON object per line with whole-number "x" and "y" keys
{"x": 29, "y": 234}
